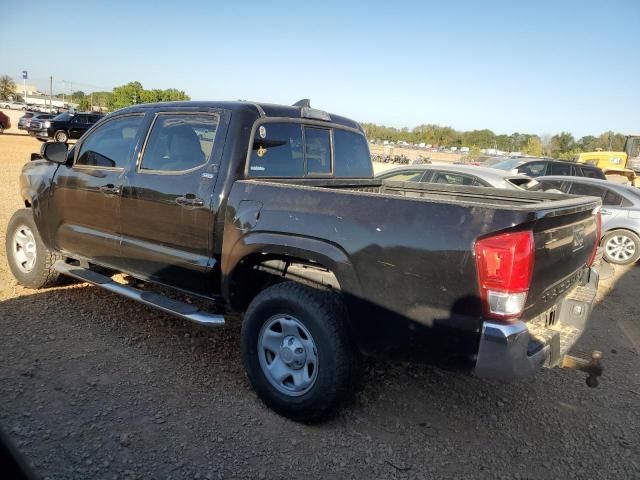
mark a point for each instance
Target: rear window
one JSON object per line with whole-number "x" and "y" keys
{"x": 404, "y": 176}
{"x": 450, "y": 178}
{"x": 352, "y": 155}
{"x": 293, "y": 150}
{"x": 591, "y": 172}
{"x": 277, "y": 151}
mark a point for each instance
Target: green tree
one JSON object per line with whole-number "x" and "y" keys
{"x": 611, "y": 141}
{"x": 562, "y": 143}
{"x": 7, "y": 87}
{"x": 533, "y": 147}
{"x": 588, "y": 143}
{"x": 125, "y": 95}
{"x": 84, "y": 104}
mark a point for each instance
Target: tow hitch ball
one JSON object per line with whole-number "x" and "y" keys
{"x": 592, "y": 367}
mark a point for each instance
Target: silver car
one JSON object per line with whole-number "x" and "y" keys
{"x": 456, "y": 175}
{"x": 620, "y": 213}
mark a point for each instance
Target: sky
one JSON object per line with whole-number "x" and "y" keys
{"x": 532, "y": 67}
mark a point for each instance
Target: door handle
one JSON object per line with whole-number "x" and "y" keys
{"x": 110, "y": 189}
{"x": 190, "y": 200}
{"x": 604, "y": 211}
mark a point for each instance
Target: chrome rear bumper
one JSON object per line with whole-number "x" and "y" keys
{"x": 509, "y": 351}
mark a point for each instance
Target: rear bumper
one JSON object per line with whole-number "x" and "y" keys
{"x": 518, "y": 349}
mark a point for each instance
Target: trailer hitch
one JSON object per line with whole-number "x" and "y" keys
{"x": 592, "y": 367}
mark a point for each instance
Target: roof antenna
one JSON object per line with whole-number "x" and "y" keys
{"x": 305, "y": 102}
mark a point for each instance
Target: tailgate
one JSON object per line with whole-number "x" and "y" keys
{"x": 564, "y": 242}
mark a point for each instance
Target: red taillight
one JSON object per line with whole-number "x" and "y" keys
{"x": 505, "y": 264}
{"x": 598, "y": 215}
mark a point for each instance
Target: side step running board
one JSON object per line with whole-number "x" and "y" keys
{"x": 175, "y": 307}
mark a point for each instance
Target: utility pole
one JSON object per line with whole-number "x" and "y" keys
{"x": 64, "y": 90}
{"x": 24, "y": 84}
{"x": 92, "y": 101}
{"x": 50, "y": 93}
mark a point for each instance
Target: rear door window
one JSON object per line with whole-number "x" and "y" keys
{"x": 318, "y": 150}
{"x": 587, "y": 189}
{"x": 179, "y": 142}
{"x": 560, "y": 169}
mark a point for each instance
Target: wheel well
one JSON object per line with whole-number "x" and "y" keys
{"x": 617, "y": 229}
{"x": 256, "y": 272}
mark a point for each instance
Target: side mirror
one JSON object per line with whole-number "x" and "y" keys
{"x": 55, "y": 152}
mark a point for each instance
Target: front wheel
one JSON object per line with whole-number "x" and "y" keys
{"x": 30, "y": 261}
{"x": 297, "y": 351}
{"x": 61, "y": 136}
{"x": 621, "y": 247}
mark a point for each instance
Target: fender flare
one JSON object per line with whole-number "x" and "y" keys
{"x": 327, "y": 254}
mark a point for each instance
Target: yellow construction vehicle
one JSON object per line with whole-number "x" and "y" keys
{"x": 623, "y": 167}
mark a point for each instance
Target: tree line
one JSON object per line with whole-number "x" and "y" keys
{"x": 126, "y": 95}
{"x": 119, "y": 97}
{"x": 562, "y": 145}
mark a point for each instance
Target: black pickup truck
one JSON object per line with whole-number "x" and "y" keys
{"x": 273, "y": 211}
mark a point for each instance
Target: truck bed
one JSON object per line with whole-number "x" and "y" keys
{"x": 410, "y": 244}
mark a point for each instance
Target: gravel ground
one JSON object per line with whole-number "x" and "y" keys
{"x": 96, "y": 386}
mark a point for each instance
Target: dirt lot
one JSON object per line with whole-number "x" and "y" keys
{"x": 98, "y": 387}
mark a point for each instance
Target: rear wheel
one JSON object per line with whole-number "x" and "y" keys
{"x": 30, "y": 261}
{"x": 621, "y": 247}
{"x": 61, "y": 136}
{"x": 297, "y": 351}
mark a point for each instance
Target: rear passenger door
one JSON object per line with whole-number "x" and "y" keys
{"x": 168, "y": 210}
{"x": 78, "y": 126}
{"x": 611, "y": 201}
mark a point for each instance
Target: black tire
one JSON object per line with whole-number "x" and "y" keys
{"x": 324, "y": 316}
{"x": 61, "y": 136}
{"x": 628, "y": 242}
{"x": 42, "y": 274}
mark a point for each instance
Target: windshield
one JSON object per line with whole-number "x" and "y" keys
{"x": 507, "y": 164}
{"x": 63, "y": 117}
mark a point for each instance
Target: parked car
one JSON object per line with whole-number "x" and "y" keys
{"x": 543, "y": 166}
{"x": 453, "y": 174}
{"x": 25, "y": 121}
{"x": 64, "y": 126}
{"x": 620, "y": 213}
{"x": 274, "y": 212}
{"x": 5, "y": 122}
{"x": 15, "y": 105}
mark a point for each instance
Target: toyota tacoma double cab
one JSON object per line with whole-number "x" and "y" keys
{"x": 273, "y": 211}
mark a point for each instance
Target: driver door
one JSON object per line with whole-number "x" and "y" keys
{"x": 85, "y": 198}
